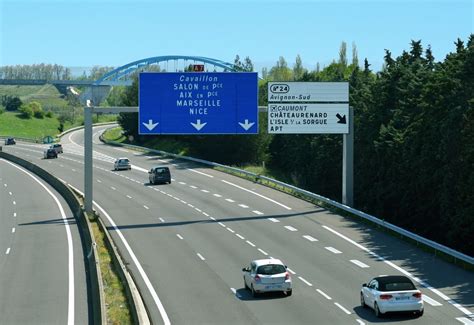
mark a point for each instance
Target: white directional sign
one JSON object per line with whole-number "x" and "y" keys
{"x": 301, "y": 118}
{"x": 298, "y": 92}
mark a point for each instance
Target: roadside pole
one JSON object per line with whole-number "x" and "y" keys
{"x": 88, "y": 110}
{"x": 348, "y": 163}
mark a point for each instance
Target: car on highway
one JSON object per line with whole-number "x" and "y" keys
{"x": 50, "y": 153}
{"x": 267, "y": 275}
{"x": 159, "y": 174}
{"x": 58, "y": 147}
{"x": 122, "y": 163}
{"x": 10, "y": 141}
{"x": 391, "y": 293}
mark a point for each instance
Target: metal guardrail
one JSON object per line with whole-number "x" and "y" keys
{"x": 293, "y": 189}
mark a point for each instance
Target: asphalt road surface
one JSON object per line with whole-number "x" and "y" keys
{"x": 187, "y": 242}
{"x": 42, "y": 273}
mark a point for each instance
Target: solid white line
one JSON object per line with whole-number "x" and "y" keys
{"x": 179, "y": 236}
{"x": 421, "y": 282}
{"x": 8, "y": 251}
{"x": 260, "y": 195}
{"x": 332, "y": 249}
{"x": 232, "y": 231}
{"x": 13, "y": 230}
{"x": 240, "y": 236}
{"x": 217, "y": 195}
{"x": 198, "y": 172}
{"x": 201, "y": 257}
{"x": 257, "y": 212}
{"x": 323, "y": 294}
{"x": 262, "y": 251}
{"x": 431, "y": 301}
{"x": 342, "y": 308}
{"x": 291, "y": 271}
{"x": 146, "y": 207}
{"x": 147, "y": 281}
{"x": 250, "y": 243}
{"x": 465, "y": 321}
{"x": 305, "y": 281}
{"x": 71, "y": 295}
{"x": 308, "y": 237}
{"x": 290, "y": 228}
{"x": 230, "y": 200}
{"x": 359, "y": 263}
{"x": 243, "y": 206}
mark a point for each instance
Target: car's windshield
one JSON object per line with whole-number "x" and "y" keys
{"x": 271, "y": 269}
{"x": 397, "y": 286}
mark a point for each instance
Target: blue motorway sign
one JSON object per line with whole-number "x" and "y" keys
{"x": 198, "y": 103}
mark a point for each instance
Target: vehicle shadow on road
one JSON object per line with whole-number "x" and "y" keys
{"x": 367, "y": 314}
{"x": 245, "y": 295}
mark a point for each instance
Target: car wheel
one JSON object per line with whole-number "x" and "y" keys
{"x": 362, "y": 301}
{"x": 289, "y": 293}
{"x": 254, "y": 293}
{"x": 378, "y": 314}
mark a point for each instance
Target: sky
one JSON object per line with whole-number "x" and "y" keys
{"x": 115, "y": 32}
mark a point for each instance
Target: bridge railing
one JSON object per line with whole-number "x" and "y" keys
{"x": 295, "y": 191}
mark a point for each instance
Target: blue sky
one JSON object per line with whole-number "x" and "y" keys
{"x": 115, "y": 32}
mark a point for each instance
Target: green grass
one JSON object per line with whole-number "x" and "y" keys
{"x": 12, "y": 124}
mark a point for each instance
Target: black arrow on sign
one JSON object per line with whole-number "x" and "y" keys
{"x": 342, "y": 119}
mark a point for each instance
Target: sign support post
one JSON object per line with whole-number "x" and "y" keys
{"x": 88, "y": 159}
{"x": 348, "y": 163}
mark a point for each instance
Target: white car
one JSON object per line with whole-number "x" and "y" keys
{"x": 122, "y": 163}
{"x": 391, "y": 293}
{"x": 267, "y": 275}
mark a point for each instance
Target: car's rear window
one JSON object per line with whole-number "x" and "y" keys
{"x": 271, "y": 269}
{"x": 397, "y": 286}
{"x": 161, "y": 170}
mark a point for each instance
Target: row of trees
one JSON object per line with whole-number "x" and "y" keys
{"x": 414, "y": 129}
{"x": 35, "y": 71}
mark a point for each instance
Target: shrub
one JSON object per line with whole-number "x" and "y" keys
{"x": 38, "y": 114}
{"x": 49, "y": 114}
{"x": 2, "y": 110}
{"x": 26, "y": 111}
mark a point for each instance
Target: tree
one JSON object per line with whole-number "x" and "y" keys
{"x": 298, "y": 69}
{"x": 12, "y": 103}
{"x": 355, "y": 58}
{"x": 343, "y": 54}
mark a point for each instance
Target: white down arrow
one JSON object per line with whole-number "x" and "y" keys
{"x": 150, "y": 125}
{"x": 198, "y": 125}
{"x": 246, "y": 125}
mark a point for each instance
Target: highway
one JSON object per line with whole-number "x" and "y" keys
{"x": 186, "y": 243}
{"x": 42, "y": 272}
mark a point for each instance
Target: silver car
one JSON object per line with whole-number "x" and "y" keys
{"x": 267, "y": 275}
{"x": 391, "y": 293}
{"x": 122, "y": 163}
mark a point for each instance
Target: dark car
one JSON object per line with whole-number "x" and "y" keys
{"x": 10, "y": 141}
{"x": 57, "y": 147}
{"x": 50, "y": 153}
{"x": 159, "y": 174}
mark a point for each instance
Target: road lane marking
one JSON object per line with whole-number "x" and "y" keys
{"x": 182, "y": 183}
{"x": 201, "y": 173}
{"x": 220, "y": 223}
{"x": 71, "y": 294}
{"x": 8, "y": 251}
{"x": 217, "y": 195}
{"x": 212, "y": 218}
{"x": 204, "y": 213}
{"x": 243, "y": 206}
{"x": 305, "y": 281}
{"x": 308, "y": 237}
{"x": 257, "y": 212}
{"x": 179, "y": 236}
{"x": 205, "y": 191}
{"x": 14, "y": 202}
{"x": 250, "y": 243}
{"x": 146, "y": 207}
{"x": 10, "y": 193}
{"x": 431, "y": 301}
{"x": 332, "y": 249}
{"x": 240, "y": 236}
{"x": 201, "y": 257}
{"x": 14, "y": 214}
{"x": 232, "y": 231}
{"x": 360, "y": 322}
{"x": 99, "y": 181}
{"x": 273, "y": 220}
{"x": 161, "y": 219}
{"x": 291, "y": 271}
{"x": 192, "y": 186}
{"x": 342, "y": 308}
{"x": 290, "y": 228}
{"x": 263, "y": 252}
{"x": 465, "y": 321}
{"x": 230, "y": 200}
{"x": 142, "y": 272}
{"x": 257, "y": 194}
{"x": 190, "y": 205}
{"x": 13, "y": 230}
{"x": 396, "y": 267}
{"x": 113, "y": 188}
{"x": 322, "y": 293}
{"x": 359, "y": 263}
{"x": 129, "y": 196}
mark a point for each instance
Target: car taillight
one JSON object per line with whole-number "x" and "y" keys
{"x": 287, "y": 276}
{"x": 257, "y": 278}
{"x": 386, "y": 297}
{"x": 417, "y": 295}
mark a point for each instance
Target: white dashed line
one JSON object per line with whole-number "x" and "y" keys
{"x": 204, "y": 213}
{"x": 342, "y": 308}
{"x": 161, "y": 219}
{"x": 305, "y": 281}
{"x": 212, "y": 218}
{"x": 205, "y": 191}
{"x": 129, "y": 196}
{"x": 360, "y": 322}
{"x": 75, "y": 171}
{"x": 182, "y": 183}
{"x": 359, "y": 263}
{"x": 431, "y": 301}
{"x": 322, "y": 293}
{"x": 243, "y": 206}
{"x": 10, "y": 193}
{"x": 220, "y": 223}
{"x": 291, "y": 271}
{"x": 201, "y": 257}
{"x": 14, "y": 214}
{"x": 13, "y": 230}
{"x": 190, "y": 205}
{"x": 230, "y": 200}
{"x": 113, "y": 188}
{"x": 465, "y": 321}
{"x": 182, "y": 201}
{"x": 14, "y": 202}
{"x": 232, "y": 231}
{"x": 273, "y": 220}
{"x": 179, "y": 236}
{"x": 308, "y": 237}
{"x": 332, "y": 249}
{"x": 146, "y": 207}
{"x": 217, "y": 195}
{"x": 290, "y": 228}
{"x": 257, "y": 212}
{"x": 250, "y": 243}
{"x": 240, "y": 236}
{"x": 192, "y": 186}
{"x": 198, "y": 210}
{"x": 198, "y": 172}
{"x": 8, "y": 251}
{"x": 263, "y": 252}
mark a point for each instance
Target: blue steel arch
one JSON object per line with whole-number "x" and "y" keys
{"x": 115, "y": 75}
